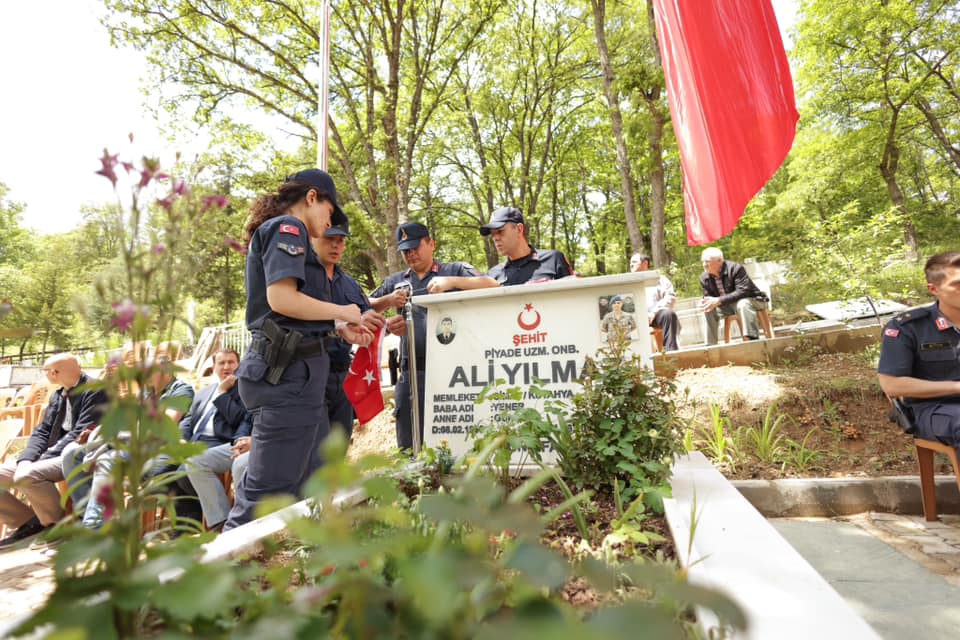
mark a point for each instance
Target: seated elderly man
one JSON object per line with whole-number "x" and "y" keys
{"x": 72, "y": 410}
{"x": 728, "y": 291}
{"x": 163, "y": 385}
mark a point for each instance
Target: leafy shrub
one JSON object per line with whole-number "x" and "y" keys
{"x": 622, "y": 426}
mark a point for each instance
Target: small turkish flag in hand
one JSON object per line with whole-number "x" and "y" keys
{"x": 362, "y": 384}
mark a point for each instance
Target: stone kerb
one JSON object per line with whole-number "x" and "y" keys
{"x": 726, "y": 544}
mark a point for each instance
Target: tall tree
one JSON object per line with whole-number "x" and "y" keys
{"x": 391, "y": 62}
{"x": 15, "y": 245}
{"x": 599, "y": 12}
{"x": 872, "y": 64}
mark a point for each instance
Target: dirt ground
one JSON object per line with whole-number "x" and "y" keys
{"x": 830, "y": 402}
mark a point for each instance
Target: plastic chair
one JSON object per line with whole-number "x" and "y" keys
{"x": 925, "y": 449}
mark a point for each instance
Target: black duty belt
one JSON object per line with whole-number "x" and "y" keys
{"x": 305, "y": 349}
{"x": 279, "y": 347}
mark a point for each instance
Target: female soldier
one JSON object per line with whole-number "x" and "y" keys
{"x": 283, "y": 374}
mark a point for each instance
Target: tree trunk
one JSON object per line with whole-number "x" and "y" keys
{"x": 952, "y": 152}
{"x": 596, "y": 240}
{"x": 658, "y": 197}
{"x": 616, "y": 124}
{"x": 889, "y": 165}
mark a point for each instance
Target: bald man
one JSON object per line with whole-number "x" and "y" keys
{"x": 71, "y": 411}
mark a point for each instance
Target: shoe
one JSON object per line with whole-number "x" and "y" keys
{"x": 43, "y": 542}
{"x": 28, "y": 529}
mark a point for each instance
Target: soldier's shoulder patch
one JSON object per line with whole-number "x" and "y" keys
{"x": 292, "y": 229}
{"x": 912, "y": 315}
{"x": 890, "y": 332}
{"x": 292, "y": 249}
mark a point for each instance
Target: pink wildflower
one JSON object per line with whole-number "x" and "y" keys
{"x": 124, "y": 314}
{"x": 167, "y": 201}
{"x": 235, "y": 245}
{"x": 107, "y": 167}
{"x": 105, "y": 497}
{"x": 219, "y": 202}
{"x": 157, "y": 249}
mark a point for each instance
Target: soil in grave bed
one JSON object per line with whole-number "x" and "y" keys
{"x": 832, "y": 403}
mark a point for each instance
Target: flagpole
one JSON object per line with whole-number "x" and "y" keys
{"x": 324, "y": 92}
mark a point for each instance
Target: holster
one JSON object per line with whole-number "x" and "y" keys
{"x": 279, "y": 347}
{"x": 284, "y": 352}
{"x": 902, "y": 414}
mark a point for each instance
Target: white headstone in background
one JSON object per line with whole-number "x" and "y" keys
{"x": 846, "y": 310}
{"x": 518, "y": 334}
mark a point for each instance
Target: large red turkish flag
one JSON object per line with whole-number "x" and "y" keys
{"x": 732, "y": 102}
{"x": 362, "y": 384}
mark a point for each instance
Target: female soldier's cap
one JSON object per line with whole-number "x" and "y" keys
{"x": 616, "y": 299}
{"x": 323, "y": 182}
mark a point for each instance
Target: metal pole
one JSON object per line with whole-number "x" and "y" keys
{"x": 414, "y": 383}
{"x": 323, "y": 92}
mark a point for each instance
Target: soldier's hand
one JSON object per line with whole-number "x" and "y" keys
{"x": 350, "y": 313}
{"x": 373, "y": 320}
{"x": 439, "y": 284}
{"x": 397, "y": 325}
{"x": 400, "y": 297}
{"x": 356, "y": 334}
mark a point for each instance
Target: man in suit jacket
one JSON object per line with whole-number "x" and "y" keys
{"x": 218, "y": 419}
{"x": 72, "y": 410}
{"x": 728, "y": 290}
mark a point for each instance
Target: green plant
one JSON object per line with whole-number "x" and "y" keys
{"x": 627, "y": 533}
{"x": 465, "y": 562}
{"x": 798, "y": 456}
{"x": 439, "y": 458}
{"x": 721, "y": 448}
{"x": 526, "y": 432}
{"x": 768, "y": 442}
{"x": 621, "y": 427}
{"x": 108, "y": 579}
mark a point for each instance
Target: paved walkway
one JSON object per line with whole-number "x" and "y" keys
{"x": 26, "y": 580}
{"x": 900, "y": 573}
